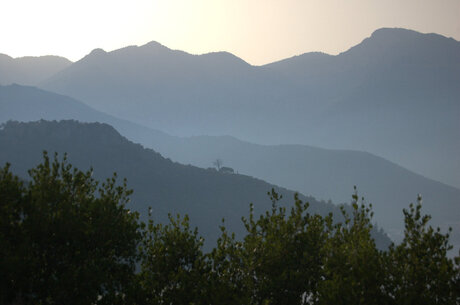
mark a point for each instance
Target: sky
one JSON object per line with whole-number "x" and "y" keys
{"x": 258, "y": 31}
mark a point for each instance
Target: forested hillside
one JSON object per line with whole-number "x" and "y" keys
{"x": 207, "y": 196}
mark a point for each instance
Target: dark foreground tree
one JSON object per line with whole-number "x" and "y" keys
{"x": 281, "y": 253}
{"x": 64, "y": 238}
{"x": 174, "y": 269}
{"x": 353, "y": 268}
{"x": 419, "y": 270}
{"x": 298, "y": 258}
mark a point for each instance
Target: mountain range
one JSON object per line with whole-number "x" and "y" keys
{"x": 30, "y": 70}
{"x": 322, "y": 173}
{"x": 207, "y": 196}
{"x": 395, "y": 94}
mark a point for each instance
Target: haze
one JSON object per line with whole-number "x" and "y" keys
{"x": 257, "y": 31}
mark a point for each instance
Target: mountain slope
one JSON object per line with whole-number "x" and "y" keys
{"x": 24, "y": 103}
{"x": 29, "y": 70}
{"x": 150, "y": 84}
{"x": 322, "y": 173}
{"x": 168, "y": 187}
{"x": 325, "y": 174}
{"x": 395, "y": 95}
{"x": 403, "y": 104}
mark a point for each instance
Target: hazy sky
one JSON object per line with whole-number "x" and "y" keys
{"x": 259, "y": 31}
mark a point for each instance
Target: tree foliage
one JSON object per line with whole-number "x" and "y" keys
{"x": 419, "y": 270}
{"x": 174, "y": 267}
{"x": 281, "y": 253}
{"x": 66, "y": 239}
{"x": 353, "y": 268}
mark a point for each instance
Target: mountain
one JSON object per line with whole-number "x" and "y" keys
{"x": 164, "y": 89}
{"x": 25, "y": 103}
{"x": 326, "y": 174}
{"x": 30, "y": 70}
{"x": 206, "y": 196}
{"x": 322, "y": 173}
{"x": 395, "y": 94}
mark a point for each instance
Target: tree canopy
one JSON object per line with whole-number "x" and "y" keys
{"x": 68, "y": 239}
{"x": 65, "y": 238}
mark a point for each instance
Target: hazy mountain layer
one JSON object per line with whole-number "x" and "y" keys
{"x": 322, "y": 173}
{"x": 29, "y": 70}
{"x": 396, "y": 94}
{"x": 24, "y": 103}
{"x": 326, "y": 174}
{"x": 168, "y": 187}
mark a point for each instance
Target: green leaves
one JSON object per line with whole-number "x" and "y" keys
{"x": 173, "y": 269}
{"x": 353, "y": 269}
{"x": 419, "y": 270}
{"x": 67, "y": 239}
{"x": 281, "y": 254}
{"x": 77, "y": 240}
{"x": 13, "y": 243}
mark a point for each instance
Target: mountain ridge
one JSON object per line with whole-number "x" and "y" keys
{"x": 320, "y": 172}
{"x": 168, "y": 187}
{"x": 30, "y": 70}
{"x": 395, "y": 82}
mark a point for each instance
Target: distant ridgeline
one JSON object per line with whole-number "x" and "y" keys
{"x": 395, "y": 95}
{"x": 207, "y": 196}
{"x": 321, "y": 173}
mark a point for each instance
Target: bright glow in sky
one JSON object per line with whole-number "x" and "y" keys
{"x": 259, "y": 31}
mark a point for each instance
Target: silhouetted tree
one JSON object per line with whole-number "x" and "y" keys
{"x": 353, "y": 271}
{"x": 419, "y": 270}
{"x": 218, "y": 163}
{"x": 64, "y": 239}
{"x": 174, "y": 269}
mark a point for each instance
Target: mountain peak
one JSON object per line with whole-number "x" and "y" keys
{"x": 97, "y": 52}
{"x": 383, "y": 32}
{"x": 397, "y": 35}
{"x": 154, "y": 44}
{"x": 94, "y": 55}
{"x": 400, "y": 42}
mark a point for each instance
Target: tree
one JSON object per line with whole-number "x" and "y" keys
{"x": 279, "y": 260}
{"x": 228, "y": 274}
{"x": 218, "y": 163}
{"x": 174, "y": 269}
{"x": 13, "y": 245}
{"x": 68, "y": 240}
{"x": 419, "y": 270}
{"x": 352, "y": 266}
